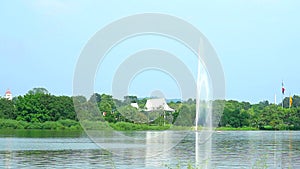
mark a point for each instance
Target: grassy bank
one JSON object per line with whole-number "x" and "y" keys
{"x": 125, "y": 126}
{"x": 92, "y": 125}
{"x": 41, "y": 133}
{"x": 236, "y": 129}
{"x": 74, "y": 125}
{"x": 48, "y": 125}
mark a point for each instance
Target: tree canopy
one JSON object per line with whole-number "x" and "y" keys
{"x": 39, "y": 106}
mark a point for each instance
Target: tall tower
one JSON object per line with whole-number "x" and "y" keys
{"x": 8, "y": 95}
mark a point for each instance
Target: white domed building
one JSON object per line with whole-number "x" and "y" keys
{"x": 8, "y": 95}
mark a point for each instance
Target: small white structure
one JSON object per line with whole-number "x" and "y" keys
{"x": 157, "y": 104}
{"x": 8, "y": 95}
{"x": 135, "y": 105}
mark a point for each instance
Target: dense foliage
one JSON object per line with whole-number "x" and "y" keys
{"x": 41, "y": 110}
{"x": 262, "y": 115}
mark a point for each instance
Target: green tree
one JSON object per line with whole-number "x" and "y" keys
{"x": 296, "y": 101}
{"x": 40, "y": 107}
{"x": 185, "y": 116}
{"x": 96, "y": 97}
{"x": 131, "y": 114}
{"x": 7, "y": 109}
{"x": 235, "y": 114}
{"x": 142, "y": 102}
{"x": 38, "y": 90}
{"x": 130, "y": 99}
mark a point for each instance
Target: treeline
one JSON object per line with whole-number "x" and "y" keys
{"x": 117, "y": 111}
{"x": 38, "y": 109}
{"x": 262, "y": 115}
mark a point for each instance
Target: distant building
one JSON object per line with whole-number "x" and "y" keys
{"x": 157, "y": 104}
{"x": 8, "y": 95}
{"x": 135, "y": 105}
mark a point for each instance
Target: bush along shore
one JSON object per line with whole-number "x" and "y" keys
{"x": 89, "y": 125}
{"x": 48, "y": 125}
{"x": 38, "y": 109}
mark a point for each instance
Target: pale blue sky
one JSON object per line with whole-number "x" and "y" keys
{"x": 257, "y": 42}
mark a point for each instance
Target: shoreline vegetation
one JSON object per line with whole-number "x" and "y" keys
{"x": 119, "y": 126}
{"x": 38, "y": 109}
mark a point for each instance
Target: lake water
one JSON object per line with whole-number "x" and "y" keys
{"x": 226, "y": 149}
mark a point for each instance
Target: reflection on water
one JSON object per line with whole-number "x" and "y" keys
{"x": 257, "y": 149}
{"x": 55, "y": 159}
{"x": 230, "y": 149}
{"x": 137, "y": 144}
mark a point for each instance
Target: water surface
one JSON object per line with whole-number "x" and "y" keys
{"x": 73, "y": 149}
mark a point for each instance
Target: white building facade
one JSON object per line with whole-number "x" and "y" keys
{"x": 8, "y": 95}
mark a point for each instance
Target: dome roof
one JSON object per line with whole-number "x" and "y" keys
{"x": 7, "y": 91}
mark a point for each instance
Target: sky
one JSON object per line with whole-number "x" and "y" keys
{"x": 257, "y": 43}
